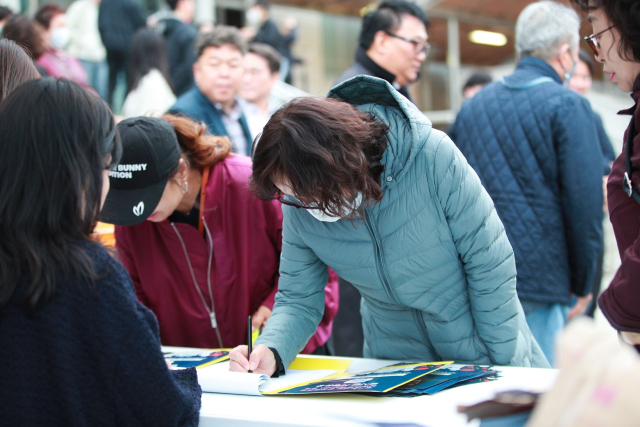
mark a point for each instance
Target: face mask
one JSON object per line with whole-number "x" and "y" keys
{"x": 60, "y": 37}
{"x": 253, "y": 17}
{"x": 321, "y": 216}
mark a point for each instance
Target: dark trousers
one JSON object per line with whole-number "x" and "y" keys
{"x": 597, "y": 282}
{"x": 117, "y": 62}
{"x": 348, "y": 338}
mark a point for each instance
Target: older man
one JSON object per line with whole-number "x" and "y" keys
{"x": 218, "y": 73}
{"x": 393, "y": 44}
{"x": 533, "y": 143}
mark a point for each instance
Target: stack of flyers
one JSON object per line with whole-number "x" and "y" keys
{"x": 198, "y": 358}
{"x": 447, "y": 377}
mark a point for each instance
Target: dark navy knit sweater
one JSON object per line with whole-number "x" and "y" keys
{"x": 90, "y": 357}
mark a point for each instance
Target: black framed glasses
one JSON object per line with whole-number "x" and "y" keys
{"x": 593, "y": 42}
{"x": 418, "y": 46}
{"x": 297, "y": 205}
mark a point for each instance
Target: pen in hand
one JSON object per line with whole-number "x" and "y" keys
{"x": 250, "y": 344}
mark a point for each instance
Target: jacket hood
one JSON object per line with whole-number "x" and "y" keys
{"x": 409, "y": 129}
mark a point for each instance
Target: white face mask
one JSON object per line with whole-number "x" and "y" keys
{"x": 60, "y": 37}
{"x": 321, "y": 216}
{"x": 253, "y": 17}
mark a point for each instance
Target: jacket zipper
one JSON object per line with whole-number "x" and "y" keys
{"x": 380, "y": 264}
{"x": 212, "y": 310}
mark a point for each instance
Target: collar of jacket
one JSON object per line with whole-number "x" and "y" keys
{"x": 372, "y": 95}
{"x": 377, "y": 71}
{"x": 636, "y": 97}
{"x": 530, "y": 68}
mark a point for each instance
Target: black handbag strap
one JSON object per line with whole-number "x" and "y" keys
{"x": 627, "y": 182}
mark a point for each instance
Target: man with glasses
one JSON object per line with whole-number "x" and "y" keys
{"x": 534, "y": 145}
{"x": 393, "y": 44}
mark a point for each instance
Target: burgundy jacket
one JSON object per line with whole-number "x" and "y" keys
{"x": 620, "y": 303}
{"x": 247, "y": 240}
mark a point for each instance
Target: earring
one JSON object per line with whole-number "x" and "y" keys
{"x": 185, "y": 187}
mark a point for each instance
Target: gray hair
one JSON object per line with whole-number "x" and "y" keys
{"x": 543, "y": 27}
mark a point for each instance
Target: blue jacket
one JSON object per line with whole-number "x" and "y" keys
{"x": 196, "y": 106}
{"x": 90, "y": 357}
{"x": 536, "y": 150}
{"x": 431, "y": 259}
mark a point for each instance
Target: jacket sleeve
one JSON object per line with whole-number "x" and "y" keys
{"x": 123, "y": 248}
{"x": 580, "y": 166}
{"x": 484, "y": 250}
{"x": 145, "y": 388}
{"x": 300, "y": 299}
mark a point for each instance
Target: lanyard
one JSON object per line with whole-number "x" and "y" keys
{"x": 627, "y": 183}
{"x": 203, "y": 194}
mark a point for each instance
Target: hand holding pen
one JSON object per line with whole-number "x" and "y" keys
{"x": 245, "y": 358}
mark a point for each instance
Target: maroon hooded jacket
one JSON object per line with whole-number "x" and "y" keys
{"x": 247, "y": 240}
{"x": 620, "y": 303}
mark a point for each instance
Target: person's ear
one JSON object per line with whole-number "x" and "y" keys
{"x": 275, "y": 77}
{"x": 380, "y": 41}
{"x": 196, "y": 71}
{"x": 183, "y": 170}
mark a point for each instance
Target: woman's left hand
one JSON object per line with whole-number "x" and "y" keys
{"x": 260, "y": 317}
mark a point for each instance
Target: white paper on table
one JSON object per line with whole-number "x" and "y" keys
{"x": 218, "y": 379}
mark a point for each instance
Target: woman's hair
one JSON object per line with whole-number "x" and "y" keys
{"x": 15, "y": 67}
{"x": 325, "y": 150}
{"x": 22, "y": 30}
{"x": 199, "y": 148}
{"x": 624, "y": 15}
{"x": 46, "y": 13}
{"x": 56, "y": 139}
{"x": 147, "y": 52}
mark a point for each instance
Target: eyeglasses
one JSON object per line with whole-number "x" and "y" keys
{"x": 281, "y": 199}
{"x": 593, "y": 43}
{"x": 418, "y": 46}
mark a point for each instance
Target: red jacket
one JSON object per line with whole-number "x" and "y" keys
{"x": 620, "y": 301}
{"x": 247, "y": 240}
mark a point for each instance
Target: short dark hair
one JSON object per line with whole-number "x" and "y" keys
{"x": 5, "y": 12}
{"x": 388, "y": 17}
{"x": 624, "y": 15}
{"x": 23, "y": 31}
{"x": 324, "y": 149}
{"x": 268, "y": 53}
{"x": 172, "y": 4}
{"x": 15, "y": 67}
{"x": 587, "y": 58}
{"x": 479, "y": 78}
{"x": 46, "y": 13}
{"x": 147, "y": 51}
{"x": 221, "y": 34}
{"x": 262, "y": 3}
{"x": 55, "y": 142}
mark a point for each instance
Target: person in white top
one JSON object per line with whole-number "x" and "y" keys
{"x": 262, "y": 65}
{"x": 148, "y": 82}
{"x": 85, "y": 43}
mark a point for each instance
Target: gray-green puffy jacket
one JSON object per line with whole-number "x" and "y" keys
{"x": 432, "y": 261}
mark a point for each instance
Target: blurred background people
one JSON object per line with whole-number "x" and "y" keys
{"x": 5, "y": 13}
{"x": 534, "y": 145}
{"x": 393, "y": 45}
{"x": 615, "y": 44}
{"x": 261, "y": 29}
{"x": 581, "y": 82}
{"x": 72, "y": 331}
{"x": 15, "y": 67}
{"x": 218, "y": 73}
{"x": 55, "y": 35}
{"x": 179, "y": 36}
{"x": 24, "y": 32}
{"x": 202, "y": 251}
{"x": 148, "y": 80}
{"x": 475, "y": 83}
{"x": 86, "y": 45}
{"x": 261, "y": 72}
{"x": 118, "y": 20}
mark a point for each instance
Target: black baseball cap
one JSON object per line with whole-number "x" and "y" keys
{"x": 150, "y": 153}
